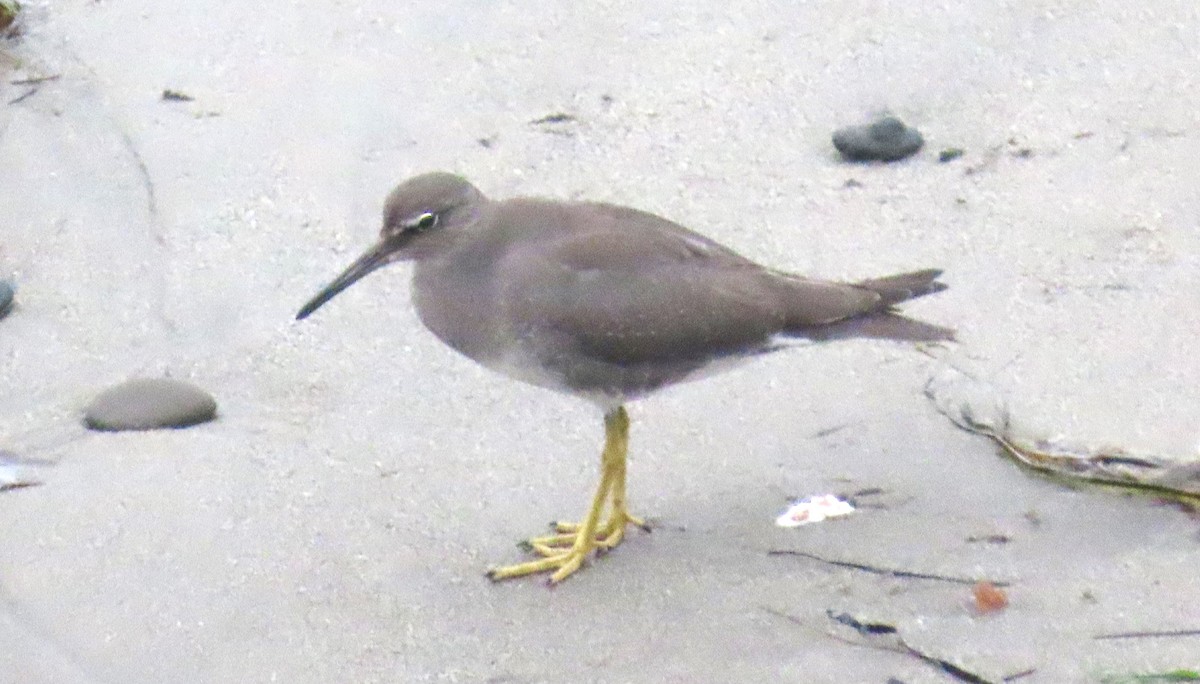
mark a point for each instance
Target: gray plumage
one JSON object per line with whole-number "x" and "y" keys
{"x": 603, "y": 301}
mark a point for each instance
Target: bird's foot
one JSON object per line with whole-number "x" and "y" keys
{"x": 607, "y": 537}
{"x": 565, "y": 552}
{"x": 563, "y": 563}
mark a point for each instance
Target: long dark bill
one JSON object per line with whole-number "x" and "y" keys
{"x": 373, "y": 258}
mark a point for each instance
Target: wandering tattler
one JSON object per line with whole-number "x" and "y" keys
{"x": 609, "y": 304}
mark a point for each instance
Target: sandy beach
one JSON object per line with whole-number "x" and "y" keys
{"x": 334, "y": 523}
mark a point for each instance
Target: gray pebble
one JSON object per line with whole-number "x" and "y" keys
{"x": 887, "y": 139}
{"x": 149, "y": 403}
{"x": 6, "y": 298}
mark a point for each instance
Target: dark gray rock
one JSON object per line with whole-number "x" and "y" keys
{"x": 887, "y": 139}
{"x": 149, "y": 403}
{"x": 6, "y": 298}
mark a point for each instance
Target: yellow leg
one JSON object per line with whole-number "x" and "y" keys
{"x": 608, "y": 535}
{"x": 565, "y": 552}
{"x": 613, "y": 530}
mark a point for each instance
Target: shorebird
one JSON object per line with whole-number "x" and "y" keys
{"x": 609, "y": 304}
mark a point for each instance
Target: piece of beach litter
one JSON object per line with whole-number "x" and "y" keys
{"x": 814, "y": 509}
{"x": 13, "y": 474}
{"x": 149, "y": 403}
{"x": 13, "y": 477}
{"x": 988, "y": 598}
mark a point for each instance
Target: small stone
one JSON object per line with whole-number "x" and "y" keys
{"x": 555, "y": 118}
{"x": 150, "y": 403}
{"x": 169, "y": 95}
{"x": 6, "y": 297}
{"x": 887, "y": 139}
{"x": 950, "y": 154}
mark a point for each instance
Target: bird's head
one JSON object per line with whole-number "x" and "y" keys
{"x": 421, "y": 217}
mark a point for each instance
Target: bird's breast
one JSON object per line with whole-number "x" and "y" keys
{"x": 459, "y": 308}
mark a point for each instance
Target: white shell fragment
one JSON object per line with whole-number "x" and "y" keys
{"x": 814, "y": 509}
{"x": 13, "y": 476}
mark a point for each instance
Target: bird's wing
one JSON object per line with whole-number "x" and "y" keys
{"x": 636, "y": 288}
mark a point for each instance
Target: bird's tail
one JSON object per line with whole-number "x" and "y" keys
{"x": 897, "y": 288}
{"x": 886, "y": 323}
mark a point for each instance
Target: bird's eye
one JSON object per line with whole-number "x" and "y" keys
{"x": 425, "y": 221}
